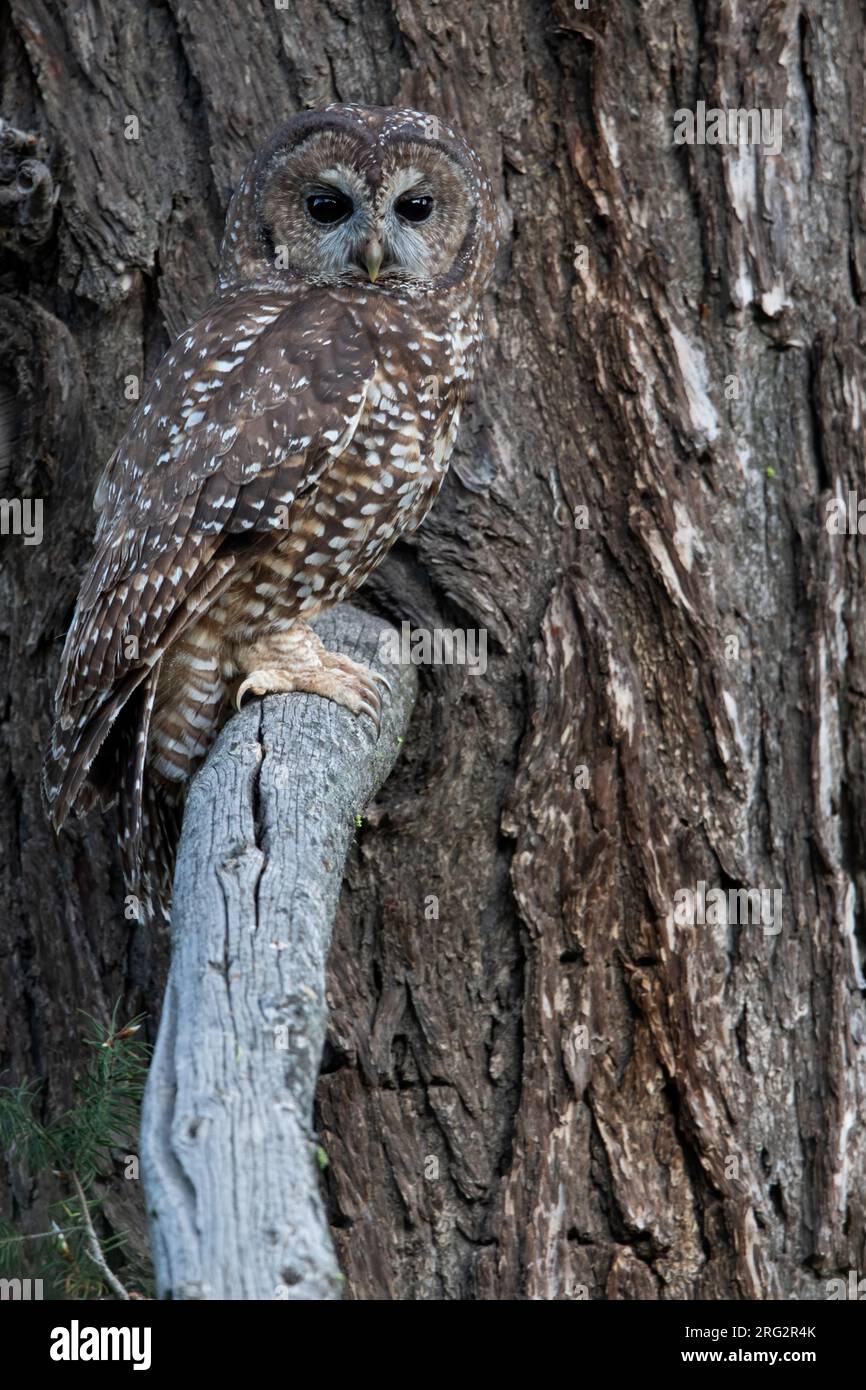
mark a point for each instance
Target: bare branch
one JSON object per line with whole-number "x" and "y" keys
{"x": 94, "y": 1249}
{"x": 228, "y": 1151}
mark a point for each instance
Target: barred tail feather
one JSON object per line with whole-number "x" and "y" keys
{"x": 132, "y": 775}
{"x": 73, "y": 749}
{"x": 161, "y": 819}
{"x": 150, "y": 816}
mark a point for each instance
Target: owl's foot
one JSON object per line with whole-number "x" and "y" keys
{"x": 321, "y": 672}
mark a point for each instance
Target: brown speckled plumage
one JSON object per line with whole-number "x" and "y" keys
{"x": 287, "y": 439}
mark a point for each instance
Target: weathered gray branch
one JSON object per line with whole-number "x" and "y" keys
{"x": 228, "y": 1152}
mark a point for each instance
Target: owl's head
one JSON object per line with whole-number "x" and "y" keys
{"x": 362, "y": 194}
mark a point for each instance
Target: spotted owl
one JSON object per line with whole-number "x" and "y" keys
{"x": 288, "y": 438}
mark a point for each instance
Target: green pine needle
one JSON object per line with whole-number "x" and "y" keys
{"x": 75, "y": 1148}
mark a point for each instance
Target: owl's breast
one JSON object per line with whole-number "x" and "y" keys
{"x": 377, "y": 486}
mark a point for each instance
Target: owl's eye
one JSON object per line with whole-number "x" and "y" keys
{"x": 328, "y": 208}
{"x": 416, "y": 209}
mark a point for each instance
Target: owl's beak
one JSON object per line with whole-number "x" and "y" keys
{"x": 373, "y": 256}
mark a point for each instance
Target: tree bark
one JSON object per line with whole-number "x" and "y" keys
{"x": 229, "y": 1159}
{"x": 536, "y": 1084}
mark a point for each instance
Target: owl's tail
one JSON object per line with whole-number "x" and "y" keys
{"x": 84, "y": 749}
{"x": 149, "y": 853}
{"x": 99, "y": 760}
{"x": 149, "y": 824}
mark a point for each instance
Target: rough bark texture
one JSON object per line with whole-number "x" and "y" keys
{"x": 229, "y": 1159}
{"x": 535, "y": 1083}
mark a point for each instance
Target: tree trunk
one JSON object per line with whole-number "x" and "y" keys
{"x": 537, "y": 1083}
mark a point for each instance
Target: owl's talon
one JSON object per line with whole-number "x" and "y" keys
{"x": 369, "y": 689}
{"x": 383, "y": 680}
{"x": 242, "y": 690}
{"x": 360, "y": 677}
{"x": 259, "y": 682}
{"x": 336, "y": 677}
{"x": 375, "y": 715}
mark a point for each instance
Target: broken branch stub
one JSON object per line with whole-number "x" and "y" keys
{"x": 228, "y": 1152}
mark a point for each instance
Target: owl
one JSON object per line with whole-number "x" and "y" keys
{"x": 288, "y": 438}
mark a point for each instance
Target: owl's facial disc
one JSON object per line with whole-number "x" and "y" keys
{"x": 339, "y": 210}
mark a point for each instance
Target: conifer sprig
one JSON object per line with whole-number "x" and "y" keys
{"x": 76, "y": 1149}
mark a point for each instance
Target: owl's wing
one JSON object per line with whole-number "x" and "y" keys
{"x": 245, "y": 412}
